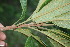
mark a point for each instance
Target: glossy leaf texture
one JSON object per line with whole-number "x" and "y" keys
{"x": 31, "y": 42}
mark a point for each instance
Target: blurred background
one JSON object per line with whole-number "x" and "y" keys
{"x": 10, "y": 11}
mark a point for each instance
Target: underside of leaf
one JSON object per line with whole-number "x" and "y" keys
{"x": 56, "y": 37}
{"x": 52, "y": 9}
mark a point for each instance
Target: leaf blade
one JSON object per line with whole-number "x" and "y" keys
{"x": 31, "y": 42}
{"x": 28, "y": 33}
{"x": 58, "y": 38}
{"x": 52, "y": 9}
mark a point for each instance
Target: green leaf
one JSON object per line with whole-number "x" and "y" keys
{"x": 24, "y": 8}
{"x": 55, "y": 44}
{"x": 45, "y": 3}
{"x": 58, "y": 37}
{"x": 23, "y": 4}
{"x": 31, "y": 42}
{"x": 38, "y": 8}
{"x": 63, "y": 23}
{"x": 41, "y": 4}
{"x": 28, "y": 33}
{"x": 24, "y": 31}
{"x": 52, "y": 9}
{"x": 60, "y": 33}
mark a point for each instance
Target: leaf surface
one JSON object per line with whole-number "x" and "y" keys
{"x": 41, "y": 4}
{"x": 28, "y": 33}
{"x": 31, "y": 42}
{"x": 55, "y": 44}
{"x": 24, "y": 7}
{"x": 63, "y": 23}
{"x": 58, "y": 37}
{"x": 52, "y": 9}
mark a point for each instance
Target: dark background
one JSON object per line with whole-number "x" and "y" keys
{"x": 10, "y": 11}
